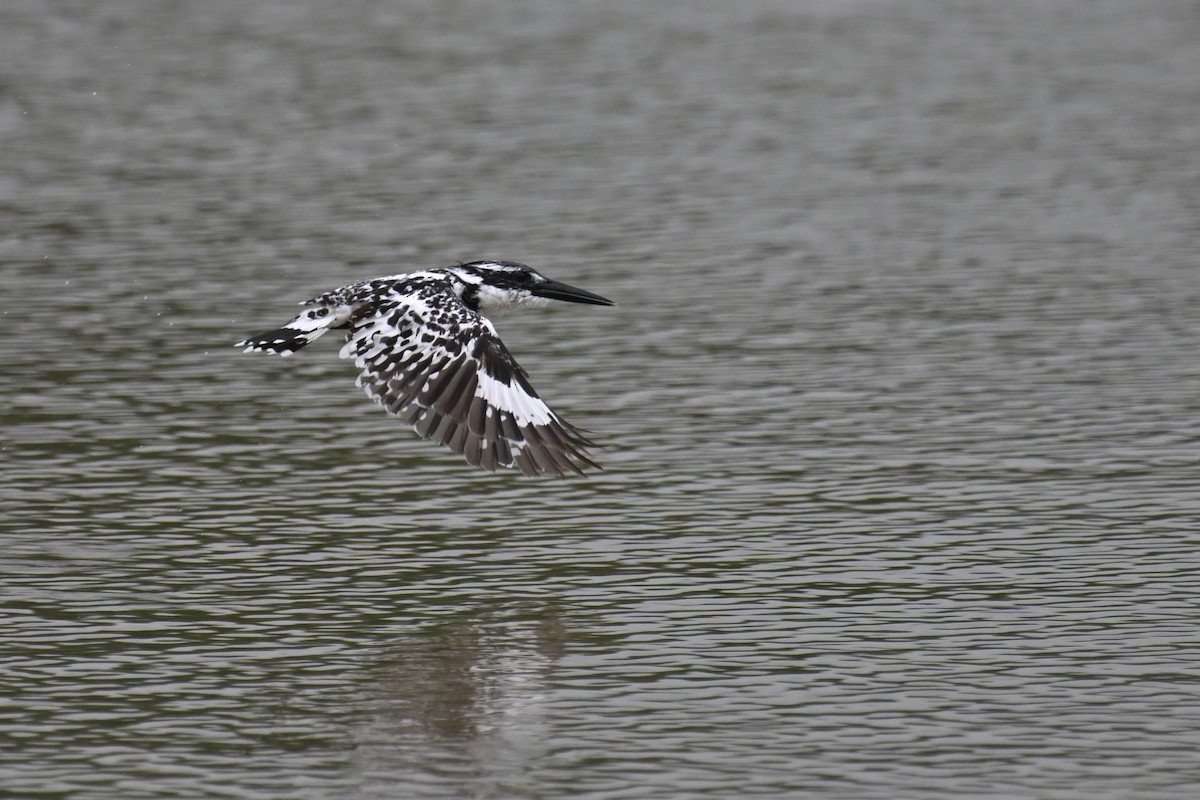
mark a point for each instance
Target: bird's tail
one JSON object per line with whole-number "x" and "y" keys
{"x": 307, "y": 327}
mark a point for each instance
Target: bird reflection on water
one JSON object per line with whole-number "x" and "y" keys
{"x": 474, "y": 687}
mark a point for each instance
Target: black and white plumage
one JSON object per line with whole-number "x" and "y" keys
{"x": 429, "y": 356}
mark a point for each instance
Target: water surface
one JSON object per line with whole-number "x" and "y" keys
{"x": 900, "y": 399}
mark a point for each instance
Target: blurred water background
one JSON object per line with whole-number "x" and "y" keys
{"x": 901, "y": 400}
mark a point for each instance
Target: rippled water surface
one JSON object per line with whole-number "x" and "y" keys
{"x": 900, "y": 397}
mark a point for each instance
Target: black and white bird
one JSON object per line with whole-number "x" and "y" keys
{"x": 429, "y": 355}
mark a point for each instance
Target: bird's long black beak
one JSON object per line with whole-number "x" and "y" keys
{"x": 561, "y": 291}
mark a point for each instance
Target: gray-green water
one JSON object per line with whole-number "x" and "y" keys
{"x": 901, "y": 398}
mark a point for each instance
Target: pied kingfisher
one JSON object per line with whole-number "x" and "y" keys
{"x": 429, "y": 356}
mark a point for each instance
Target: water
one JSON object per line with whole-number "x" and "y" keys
{"x": 900, "y": 400}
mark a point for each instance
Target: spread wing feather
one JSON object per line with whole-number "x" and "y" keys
{"x": 442, "y": 369}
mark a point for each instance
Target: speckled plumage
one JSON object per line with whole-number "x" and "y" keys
{"x": 428, "y": 355}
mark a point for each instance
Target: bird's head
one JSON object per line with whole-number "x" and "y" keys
{"x": 491, "y": 287}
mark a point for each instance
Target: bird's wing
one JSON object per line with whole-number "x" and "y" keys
{"x": 441, "y": 368}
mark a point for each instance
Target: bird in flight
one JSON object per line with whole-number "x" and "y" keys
{"x": 429, "y": 355}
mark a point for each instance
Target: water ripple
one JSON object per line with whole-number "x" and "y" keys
{"x": 899, "y": 400}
